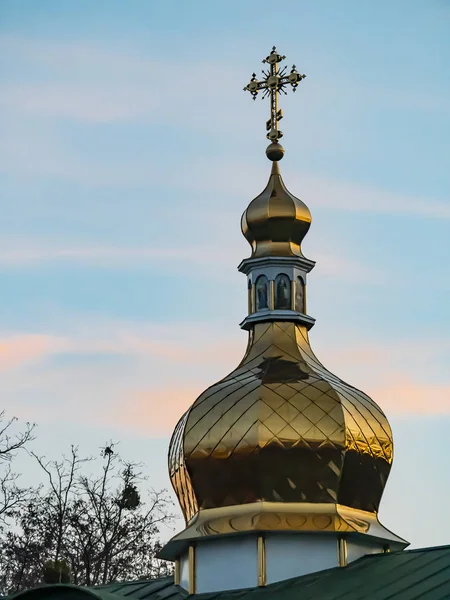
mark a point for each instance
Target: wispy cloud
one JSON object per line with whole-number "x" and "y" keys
{"x": 155, "y": 409}
{"x": 87, "y": 82}
{"x": 18, "y": 253}
{"x": 185, "y": 343}
{"x": 407, "y": 396}
{"x": 26, "y": 153}
{"x": 98, "y": 83}
{"x": 23, "y": 254}
{"x": 142, "y": 376}
{"x": 94, "y": 84}
{"x": 321, "y": 192}
{"x": 17, "y": 350}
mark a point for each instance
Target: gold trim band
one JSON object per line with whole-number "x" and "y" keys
{"x": 271, "y": 294}
{"x": 261, "y": 561}
{"x": 342, "y": 552}
{"x": 192, "y": 573}
{"x": 293, "y": 293}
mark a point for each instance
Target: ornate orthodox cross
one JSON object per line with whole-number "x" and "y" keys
{"x": 274, "y": 82}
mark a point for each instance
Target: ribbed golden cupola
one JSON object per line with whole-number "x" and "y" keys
{"x": 276, "y": 222}
{"x": 280, "y": 444}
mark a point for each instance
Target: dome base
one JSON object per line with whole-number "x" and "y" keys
{"x": 325, "y": 518}
{"x": 256, "y": 559}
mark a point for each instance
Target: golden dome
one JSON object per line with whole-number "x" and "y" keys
{"x": 280, "y": 444}
{"x": 281, "y": 429}
{"x": 276, "y": 222}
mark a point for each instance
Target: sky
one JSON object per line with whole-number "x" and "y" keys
{"x": 128, "y": 152}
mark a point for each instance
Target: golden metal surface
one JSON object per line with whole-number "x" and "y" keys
{"x": 276, "y": 222}
{"x": 295, "y": 518}
{"x": 192, "y": 569}
{"x": 281, "y": 428}
{"x": 271, "y": 295}
{"x": 279, "y": 444}
{"x": 261, "y": 561}
{"x": 293, "y": 294}
{"x": 176, "y": 573}
{"x": 274, "y": 82}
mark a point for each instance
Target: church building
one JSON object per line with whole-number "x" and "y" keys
{"x": 280, "y": 467}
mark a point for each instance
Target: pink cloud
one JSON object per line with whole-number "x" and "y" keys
{"x": 154, "y": 411}
{"x": 165, "y": 367}
{"x": 157, "y": 410}
{"x": 408, "y": 397}
{"x": 182, "y": 343}
{"x": 20, "y": 349}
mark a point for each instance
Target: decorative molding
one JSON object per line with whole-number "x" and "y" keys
{"x": 302, "y": 263}
{"x": 277, "y": 315}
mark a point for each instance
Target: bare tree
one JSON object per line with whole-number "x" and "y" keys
{"x": 98, "y": 528}
{"x": 23, "y": 547}
{"x": 116, "y": 530}
{"x": 62, "y": 479}
{"x": 11, "y": 495}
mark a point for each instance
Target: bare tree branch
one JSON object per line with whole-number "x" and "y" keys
{"x": 10, "y": 443}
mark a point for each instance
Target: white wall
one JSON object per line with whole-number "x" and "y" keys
{"x": 184, "y": 571}
{"x": 226, "y": 564}
{"x": 292, "y": 555}
{"x": 357, "y": 549}
{"x": 232, "y": 562}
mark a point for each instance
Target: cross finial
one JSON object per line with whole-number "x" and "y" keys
{"x": 274, "y": 82}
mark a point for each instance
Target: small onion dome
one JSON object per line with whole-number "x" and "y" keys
{"x": 276, "y": 222}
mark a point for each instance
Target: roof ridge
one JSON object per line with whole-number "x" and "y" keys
{"x": 132, "y": 582}
{"x": 426, "y": 549}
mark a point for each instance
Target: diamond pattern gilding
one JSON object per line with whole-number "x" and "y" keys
{"x": 314, "y": 413}
{"x": 264, "y": 436}
{"x": 301, "y": 424}
{"x": 271, "y": 397}
{"x": 264, "y": 411}
{"x": 286, "y": 391}
{"x": 328, "y": 402}
{"x": 280, "y": 426}
{"x": 275, "y": 423}
{"x": 328, "y": 426}
{"x": 287, "y": 412}
{"x": 288, "y": 436}
{"x": 300, "y": 401}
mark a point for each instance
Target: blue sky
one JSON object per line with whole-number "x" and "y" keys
{"x": 128, "y": 152}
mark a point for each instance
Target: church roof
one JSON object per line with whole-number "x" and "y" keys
{"x": 405, "y": 575}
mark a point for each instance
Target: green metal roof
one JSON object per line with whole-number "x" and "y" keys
{"x": 408, "y": 575}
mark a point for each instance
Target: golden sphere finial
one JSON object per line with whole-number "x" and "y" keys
{"x": 275, "y": 151}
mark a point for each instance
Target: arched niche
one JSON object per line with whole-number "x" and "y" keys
{"x": 282, "y": 292}
{"x": 262, "y": 293}
{"x": 300, "y": 295}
